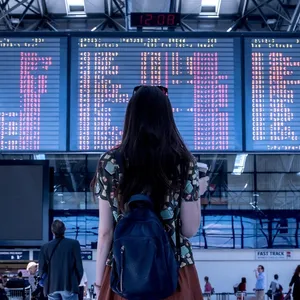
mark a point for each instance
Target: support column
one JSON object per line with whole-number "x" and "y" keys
{"x": 295, "y": 19}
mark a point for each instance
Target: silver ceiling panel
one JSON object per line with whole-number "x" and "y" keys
{"x": 190, "y": 6}
{"x": 94, "y": 6}
{"x": 229, "y": 7}
{"x": 56, "y": 6}
{"x": 149, "y": 6}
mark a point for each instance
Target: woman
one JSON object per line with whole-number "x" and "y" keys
{"x": 296, "y": 283}
{"x": 152, "y": 151}
{"x": 242, "y": 285}
{"x": 32, "y": 270}
{"x": 241, "y": 289}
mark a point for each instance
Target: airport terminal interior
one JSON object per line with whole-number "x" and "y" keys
{"x": 232, "y": 69}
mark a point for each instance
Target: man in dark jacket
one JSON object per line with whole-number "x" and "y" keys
{"x": 60, "y": 265}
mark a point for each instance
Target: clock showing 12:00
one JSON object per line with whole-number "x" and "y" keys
{"x": 154, "y": 19}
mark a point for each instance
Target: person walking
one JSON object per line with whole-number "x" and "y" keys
{"x": 295, "y": 284}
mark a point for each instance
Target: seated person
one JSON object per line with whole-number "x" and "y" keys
{"x": 17, "y": 282}
{"x": 242, "y": 285}
{"x": 2, "y": 291}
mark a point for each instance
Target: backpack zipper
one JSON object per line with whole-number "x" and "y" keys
{"x": 122, "y": 267}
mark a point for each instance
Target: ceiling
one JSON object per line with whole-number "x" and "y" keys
{"x": 229, "y": 10}
{"x": 227, "y": 7}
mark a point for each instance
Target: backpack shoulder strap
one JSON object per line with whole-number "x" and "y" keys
{"x": 49, "y": 260}
{"x": 119, "y": 160}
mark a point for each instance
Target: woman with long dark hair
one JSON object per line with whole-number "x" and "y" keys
{"x": 295, "y": 282}
{"x": 155, "y": 161}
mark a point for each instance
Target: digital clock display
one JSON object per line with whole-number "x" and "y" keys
{"x": 154, "y": 19}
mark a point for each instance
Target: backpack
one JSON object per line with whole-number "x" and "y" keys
{"x": 144, "y": 263}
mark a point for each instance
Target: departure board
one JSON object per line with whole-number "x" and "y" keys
{"x": 203, "y": 76}
{"x": 272, "y": 75}
{"x": 33, "y": 93}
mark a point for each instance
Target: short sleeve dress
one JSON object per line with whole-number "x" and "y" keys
{"x": 108, "y": 178}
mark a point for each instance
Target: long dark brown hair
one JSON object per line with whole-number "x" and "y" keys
{"x": 152, "y": 148}
{"x": 297, "y": 271}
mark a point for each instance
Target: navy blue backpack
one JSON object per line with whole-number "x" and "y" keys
{"x": 145, "y": 266}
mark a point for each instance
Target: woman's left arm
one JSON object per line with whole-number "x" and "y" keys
{"x": 105, "y": 236}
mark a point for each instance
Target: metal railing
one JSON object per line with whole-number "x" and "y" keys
{"x": 233, "y": 296}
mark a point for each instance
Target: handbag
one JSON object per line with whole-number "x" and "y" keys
{"x": 269, "y": 293}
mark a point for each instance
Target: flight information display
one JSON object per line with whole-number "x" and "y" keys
{"x": 203, "y": 76}
{"x": 272, "y": 75}
{"x": 33, "y": 93}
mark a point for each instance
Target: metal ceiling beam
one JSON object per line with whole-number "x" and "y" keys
{"x": 4, "y": 3}
{"x": 7, "y": 19}
{"x": 263, "y": 16}
{"x": 249, "y": 12}
{"x": 127, "y": 13}
{"x": 119, "y": 8}
{"x": 34, "y": 26}
{"x": 8, "y": 11}
{"x": 242, "y": 10}
{"x": 283, "y": 8}
{"x": 108, "y": 7}
{"x": 186, "y": 26}
{"x": 36, "y": 11}
{"x": 281, "y": 14}
{"x": 50, "y": 26}
{"x": 243, "y": 7}
{"x": 287, "y": 18}
{"x": 32, "y": 8}
{"x": 109, "y": 16}
{"x": 172, "y": 8}
{"x": 295, "y": 19}
{"x": 40, "y": 14}
{"x": 100, "y": 26}
{"x": 23, "y": 14}
{"x": 175, "y": 6}
{"x": 117, "y": 25}
{"x": 43, "y": 7}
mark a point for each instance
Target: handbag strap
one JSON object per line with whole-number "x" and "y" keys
{"x": 53, "y": 251}
{"x": 48, "y": 263}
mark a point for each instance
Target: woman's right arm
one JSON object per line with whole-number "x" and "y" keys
{"x": 292, "y": 282}
{"x": 190, "y": 212}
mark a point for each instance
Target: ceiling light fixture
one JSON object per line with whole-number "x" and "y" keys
{"x": 239, "y": 164}
{"x": 75, "y": 7}
{"x": 210, "y": 8}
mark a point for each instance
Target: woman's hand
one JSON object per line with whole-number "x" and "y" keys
{"x": 203, "y": 184}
